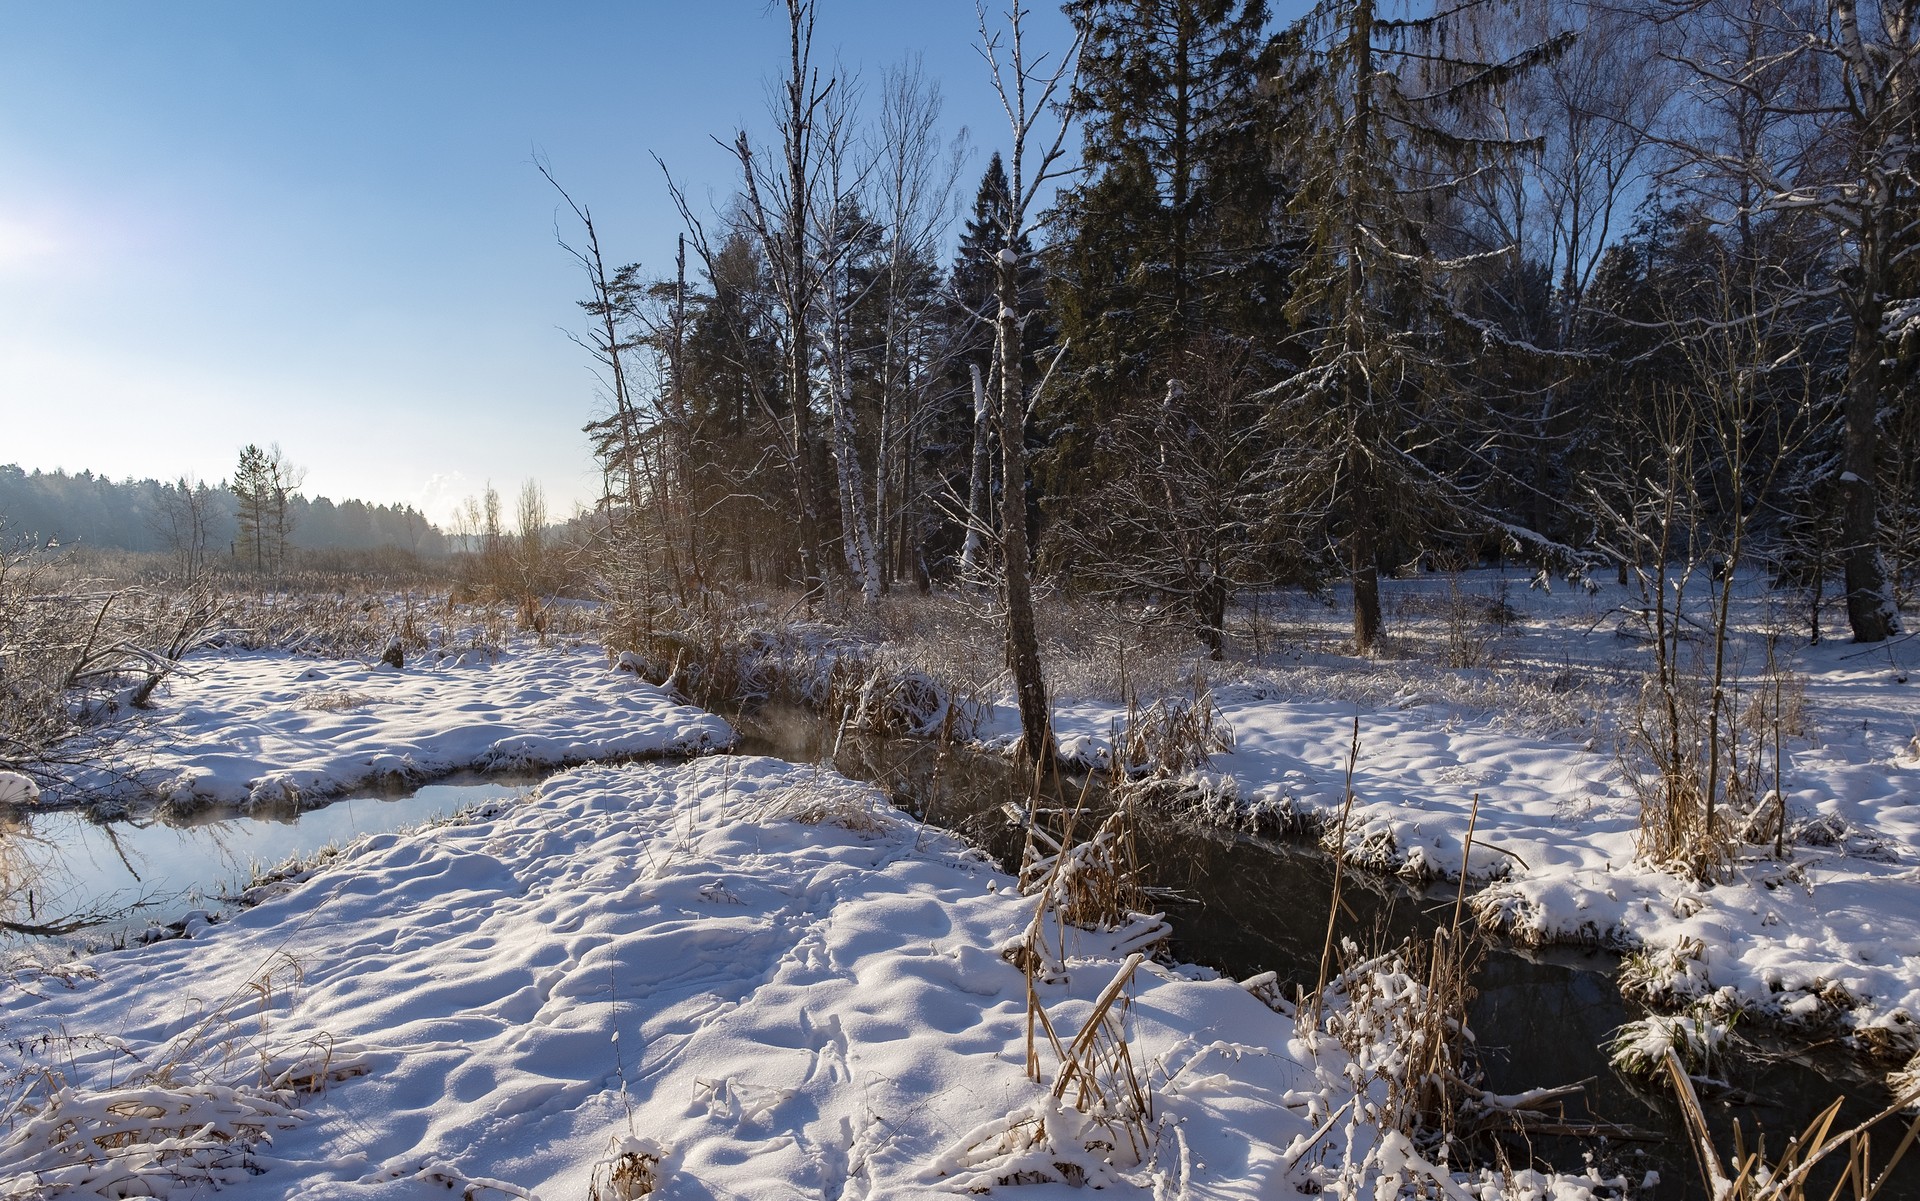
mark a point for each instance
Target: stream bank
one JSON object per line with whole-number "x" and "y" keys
{"x": 1244, "y": 903}
{"x": 1239, "y": 903}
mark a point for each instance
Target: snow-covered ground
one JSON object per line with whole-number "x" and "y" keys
{"x": 739, "y": 977}
{"x": 747, "y": 978}
{"x": 1830, "y": 932}
{"x": 270, "y": 728}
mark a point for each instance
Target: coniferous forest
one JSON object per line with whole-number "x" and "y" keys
{"x": 1238, "y": 302}
{"x": 213, "y": 522}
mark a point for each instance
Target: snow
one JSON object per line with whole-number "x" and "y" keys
{"x": 744, "y": 977}
{"x": 16, "y": 789}
{"x": 269, "y": 728}
{"x": 741, "y": 977}
{"x": 1831, "y": 934}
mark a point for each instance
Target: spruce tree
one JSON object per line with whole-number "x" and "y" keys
{"x": 1166, "y": 268}
{"x": 972, "y": 284}
{"x": 253, "y": 505}
{"x": 1377, "y": 126}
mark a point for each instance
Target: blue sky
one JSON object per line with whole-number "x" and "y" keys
{"x": 318, "y": 224}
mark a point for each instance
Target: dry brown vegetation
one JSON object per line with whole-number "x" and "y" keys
{"x": 191, "y": 1110}
{"x": 75, "y": 653}
{"x": 1748, "y": 1173}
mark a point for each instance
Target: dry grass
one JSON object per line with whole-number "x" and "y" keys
{"x": 1710, "y": 778}
{"x": 1099, "y": 1110}
{"x": 191, "y": 1113}
{"x": 1173, "y": 735}
{"x": 630, "y": 1170}
{"x": 1750, "y": 1174}
{"x": 1096, "y": 1115}
{"x": 1401, "y": 1018}
{"x": 1094, "y": 882}
{"x": 830, "y": 800}
{"x": 753, "y": 644}
{"x": 1663, "y": 975}
{"x": 340, "y": 701}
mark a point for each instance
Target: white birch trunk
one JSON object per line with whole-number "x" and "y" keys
{"x": 856, "y": 525}
{"x": 979, "y": 504}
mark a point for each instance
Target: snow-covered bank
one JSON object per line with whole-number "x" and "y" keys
{"x": 1828, "y": 935}
{"x": 270, "y": 728}
{"x": 746, "y": 978}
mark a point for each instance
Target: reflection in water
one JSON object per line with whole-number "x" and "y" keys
{"x": 1253, "y": 905}
{"x": 59, "y": 865}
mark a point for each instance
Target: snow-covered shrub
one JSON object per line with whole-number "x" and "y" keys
{"x": 132, "y": 1140}
{"x": 1390, "y": 1031}
{"x": 1471, "y": 624}
{"x": 1640, "y": 1048}
{"x": 192, "y": 1113}
{"x": 1664, "y": 975}
{"x": 1045, "y": 1142}
{"x": 870, "y": 693}
{"x": 1400, "y": 1017}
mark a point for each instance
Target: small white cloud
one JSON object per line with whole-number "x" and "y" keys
{"x": 439, "y": 498}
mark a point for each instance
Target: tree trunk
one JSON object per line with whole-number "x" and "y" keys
{"x": 1023, "y": 642}
{"x": 1213, "y": 614}
{"x": 1364, "y": 545}
{"x": 979, "y": 506}
{"x": 856, "y": 526}
{"x": 1870, "y": 607}
{"x": 1363, "y": 537}
{"x": 797, "y": 137}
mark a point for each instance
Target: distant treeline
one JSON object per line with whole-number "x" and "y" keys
{"x": 135, "y": 515}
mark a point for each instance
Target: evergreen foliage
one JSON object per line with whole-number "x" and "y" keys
{"x": 1379, "y": 118}
{"x": 1168, "y": 266}
{"x": 1355, "y": 296}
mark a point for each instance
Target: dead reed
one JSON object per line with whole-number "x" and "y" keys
{"x": 1747, "y": 1173}
{"x": 630, "y": 1170}
{"x": 191, "y": 1113}
{"x": 1093, "y": 885}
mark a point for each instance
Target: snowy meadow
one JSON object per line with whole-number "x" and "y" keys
{"x": 728, "y": 975}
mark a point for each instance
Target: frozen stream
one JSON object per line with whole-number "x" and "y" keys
{"x": 1249, "y": 905}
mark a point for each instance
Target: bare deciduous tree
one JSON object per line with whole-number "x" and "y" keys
{"x": 182, "y": 522}
{"x": 1809, "y": 109}
{"x": 1027, "y": 86}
